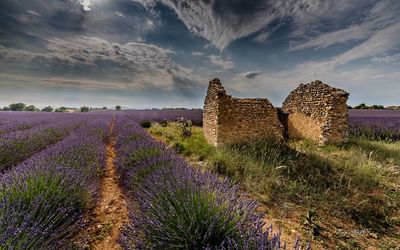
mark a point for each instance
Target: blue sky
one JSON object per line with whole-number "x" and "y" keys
{"x": 163, "y": 53}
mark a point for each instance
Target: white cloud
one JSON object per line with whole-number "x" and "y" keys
{"x": 33, "y": 13}
{"x": 86, "y": 4}
{"x": 382, "y": 41}
{"x": 387, "y": 59}
{"x": 262, "y": 37}
{"x": 197, "y": 53}
{"x": 356, "y": 32}
{"x": 119, "y": 13}
{"x": 225, "y": 64}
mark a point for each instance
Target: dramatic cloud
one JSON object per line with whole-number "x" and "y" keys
{"x": 224, "y": 21}
{"x": 147, "y": 66}
{"x": 251, "y": 74}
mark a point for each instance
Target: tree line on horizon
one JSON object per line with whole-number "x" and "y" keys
{"x": 364, "y": 106}
{"x": 24, "y": 107}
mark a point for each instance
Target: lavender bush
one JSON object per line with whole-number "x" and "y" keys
{"x": 177, "y": 207}
{"x": 42, "y": 200}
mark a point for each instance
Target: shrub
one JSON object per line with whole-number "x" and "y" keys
{"x": 47, "y": 109}
{"x": 164, "y": 123}
{"x": 145, "y": 124}
{"x": 84, "y": 109}
{"x": 30, "y": 108}
{"x": 185, "y": 127}
{"x": 17, "y": 106}
{"x": 61, "y": 109}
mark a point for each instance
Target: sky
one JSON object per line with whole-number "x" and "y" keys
{"x": 163, "y": 53}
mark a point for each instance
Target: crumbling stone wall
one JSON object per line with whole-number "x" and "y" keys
{"x": 229, "y": 120}
{"x": 318, "y": 112}
{"x": 313, "y": 111}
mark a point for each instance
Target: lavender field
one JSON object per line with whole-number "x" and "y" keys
{"x": 52, "y": 170}
{"x": 375, "y": 124}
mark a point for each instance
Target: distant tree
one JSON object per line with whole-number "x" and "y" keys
{"x": 104, "y": 107}
{"x": 118, "y": 108}
{"x": 17, "y": 106}
{"x": 349, "y": 107}
{"x": 361, "y": 106}
{"x": 47, "y": 109}
{"x": 31, "y": 108}
{"x": 61, "y": 109}
{"x": 5, "y": 108}
{"x": 84, "y": 109}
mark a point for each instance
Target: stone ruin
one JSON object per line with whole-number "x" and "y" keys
{"x": 312, "y": 111}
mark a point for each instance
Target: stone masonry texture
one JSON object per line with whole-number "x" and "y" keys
{"x": 229, "y": 120}
{"x": 317, "y": 112}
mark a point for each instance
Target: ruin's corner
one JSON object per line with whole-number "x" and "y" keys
{"x": 312, "y": 111}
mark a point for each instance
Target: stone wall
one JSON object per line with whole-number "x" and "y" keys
{"x": 229, "y": 120}
{"x": 318, "y": 112}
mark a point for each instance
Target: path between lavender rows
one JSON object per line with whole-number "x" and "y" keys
{"x": 111, "y": 212}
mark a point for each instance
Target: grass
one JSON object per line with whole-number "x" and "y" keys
{"x": 355, "y": 183}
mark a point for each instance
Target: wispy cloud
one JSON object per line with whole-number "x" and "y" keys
{"x": 387, "y": 59}
{"x": 382, "y": 15}
{"x": 224, "y": 21}
{"x": 197, "y": 53}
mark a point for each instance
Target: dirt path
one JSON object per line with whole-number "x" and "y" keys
{"x": 111, "y": 212}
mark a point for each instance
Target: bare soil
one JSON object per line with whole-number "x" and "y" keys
{"x": 111, "y": 212}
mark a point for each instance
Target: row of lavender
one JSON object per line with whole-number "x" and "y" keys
{"x": 43, "y": 199}
{"x": 174, "y": 206}
{"x": 18, "y": 121}
{"x": 37, "y": 133}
